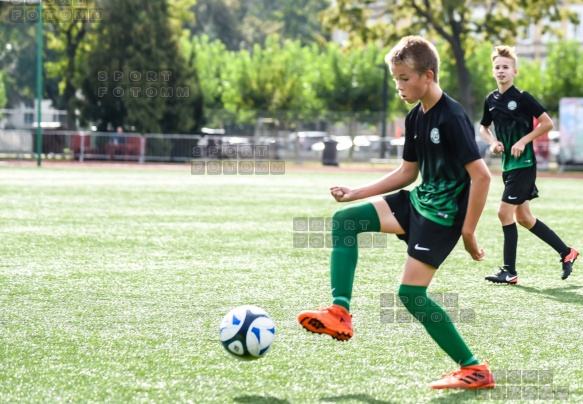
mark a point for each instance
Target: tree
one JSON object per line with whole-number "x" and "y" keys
{"x": 351, "y": 82}
{"x": 265, "y": 79}
{"x": 69, "y": 24}
{"x": 462, "y": 24}
{"x": 137, "y": 76}
{"x": 18, "y": 61}
{"x": 564, "y": 77}
{"x": 240, "y": 24}
{"x": 2, "y": 93}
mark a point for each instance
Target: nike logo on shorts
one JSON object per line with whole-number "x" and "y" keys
{"x": 418, "y": 247}
{"x": 512, "y": 197}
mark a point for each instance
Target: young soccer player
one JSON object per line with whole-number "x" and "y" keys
{"x": 439, "y": 143}
{"x": 512, "y": 112}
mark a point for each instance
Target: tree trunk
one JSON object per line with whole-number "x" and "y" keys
{"x": 465, "y": 81}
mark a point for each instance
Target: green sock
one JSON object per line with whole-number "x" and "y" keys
{"x": 437, "y": 323}
{"x": 346, "y": 224}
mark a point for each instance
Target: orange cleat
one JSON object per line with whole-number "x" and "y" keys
{"x": 334, "y": 321}
{"x": 467, "y": 377}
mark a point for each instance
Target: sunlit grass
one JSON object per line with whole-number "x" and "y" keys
{"x": 113, "y": 284}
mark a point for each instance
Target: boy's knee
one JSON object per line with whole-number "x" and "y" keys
{"x": 521, "y": 221}
{"x": 410, "y": 299}
{"x": 525, "y": 221}
{"x": 342, "y": 219}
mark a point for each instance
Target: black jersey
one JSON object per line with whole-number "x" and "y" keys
{"x": 442, "y": 141}
{"x": 513, "y": 114}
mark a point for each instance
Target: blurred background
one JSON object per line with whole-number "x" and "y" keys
{"x": 186, "y": 80}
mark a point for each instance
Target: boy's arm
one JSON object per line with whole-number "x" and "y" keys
{"x": 496, "y": 146}
{"x": 480, "y": 176}
{"x": 399, "y": 178}
{"x": 545, "y": 125}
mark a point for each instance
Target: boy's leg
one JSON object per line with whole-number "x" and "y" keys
{"x": 568, "y": 255}
{"x": 507, "y": 272}
{"x": 413, "y": 294}
{"x": 347, "y": 223}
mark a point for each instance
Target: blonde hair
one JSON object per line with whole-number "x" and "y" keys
{"x": 417, "y": 53}
{"x": 505, "y": 51}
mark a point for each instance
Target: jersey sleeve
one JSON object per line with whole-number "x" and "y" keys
{"x": 486, "y": 115}
{"x": 409, "y": 150}
{"x": 462, "y": 138}
{"x": 531, "y": 105}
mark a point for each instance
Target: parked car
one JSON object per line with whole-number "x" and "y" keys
{"x": 305, "y": 139}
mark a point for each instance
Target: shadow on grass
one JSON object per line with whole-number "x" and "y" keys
{"x": 562, "y": 294}
{"x": 259, "y": 400}
{"x": 363, "y": 398}
{"x": 456, "y": 397}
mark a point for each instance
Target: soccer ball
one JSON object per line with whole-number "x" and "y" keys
{"x": 247, "y": 332}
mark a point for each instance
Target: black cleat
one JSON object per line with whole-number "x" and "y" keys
{"x": 503, "y": 277}
{"x": 567, "y": 262}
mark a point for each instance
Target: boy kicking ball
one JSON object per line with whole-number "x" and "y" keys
{"x": 440, "y": 144}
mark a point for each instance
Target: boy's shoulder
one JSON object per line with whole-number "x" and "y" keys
{"x": 512, "y": 93}
{"x": 453, "y": 106}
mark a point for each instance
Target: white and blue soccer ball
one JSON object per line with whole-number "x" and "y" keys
{"x": 247, "y": 332}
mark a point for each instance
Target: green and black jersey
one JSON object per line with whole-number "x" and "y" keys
{"x": 442, "y": 141}
{"x": 513, "y": 114}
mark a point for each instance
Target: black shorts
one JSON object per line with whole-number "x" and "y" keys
{"x": 519, "y": 185}
{"x": 427, "y": 241}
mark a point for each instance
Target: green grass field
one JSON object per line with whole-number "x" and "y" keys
{"x": 113, "y": 283}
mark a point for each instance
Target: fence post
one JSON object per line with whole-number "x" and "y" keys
{"x": 82, "y": 147}
{"x": 142, "y": 149}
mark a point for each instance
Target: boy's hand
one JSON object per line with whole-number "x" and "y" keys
{"x": 342, "y": 194}
{"x": 471, "y": 245}
{"x": 496, "y": 147}
{"x": 517, "y": 149}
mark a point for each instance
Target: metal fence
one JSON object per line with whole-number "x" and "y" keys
{"x": 297, "y": 147}
{"x": 112, "y": 146}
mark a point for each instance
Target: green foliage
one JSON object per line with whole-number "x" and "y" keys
{"x": 531, "y": 78}
{"x": 139, "y": 37}
{"x": 209, "y": 58}
{"x": 242, "y": 24}
{"x": 352, "y": 80}
{"x": 454, "y": 21}
{"x": 2, "y": 93}
{"x": 18, "y": 62}
{"x": 564, "y": 74}
{"x": 287, "y": 76}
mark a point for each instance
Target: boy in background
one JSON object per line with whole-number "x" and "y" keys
{"x": 512, "y": 112}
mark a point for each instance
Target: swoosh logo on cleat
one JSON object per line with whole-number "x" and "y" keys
{"x": 511, "y": 278}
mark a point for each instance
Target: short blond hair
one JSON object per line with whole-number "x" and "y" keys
{"x": 505, "y": 51}
{"x": 417, "y": 53}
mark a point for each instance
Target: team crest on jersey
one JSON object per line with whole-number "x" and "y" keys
{"x": 434, "y": 135}
{"x": 512, "y": 105}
